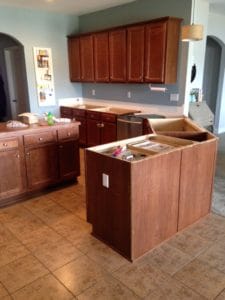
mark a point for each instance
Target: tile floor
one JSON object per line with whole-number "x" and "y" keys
{"x": 47, "y": 252}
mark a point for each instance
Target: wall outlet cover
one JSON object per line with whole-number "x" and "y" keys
{"x": 105, "y": 180}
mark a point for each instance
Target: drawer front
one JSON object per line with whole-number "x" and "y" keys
{"x": 68, "y": 133}
{"x": 106, "y": 117}
{"x": 94, "y": 115}
{"x": 40, "y": 138}
{"x": 8, "y": 144}
{"x": 66, "y": 111}
{"x": 79, "y": 112}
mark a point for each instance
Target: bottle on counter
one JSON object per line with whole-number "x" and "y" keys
{"x": 50, "y": 119}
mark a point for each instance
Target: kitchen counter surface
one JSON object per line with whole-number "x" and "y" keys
{"x": 4, "y": 131}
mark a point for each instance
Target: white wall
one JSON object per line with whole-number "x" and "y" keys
{"x": 216, "y": 25}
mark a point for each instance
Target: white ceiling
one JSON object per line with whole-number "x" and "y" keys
{"x": 80, "y": 7}
{"x": 77, "y": 7}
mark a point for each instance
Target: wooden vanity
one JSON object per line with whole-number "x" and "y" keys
{"x": 166, "y": 185}
{"x": 35, "y": 158}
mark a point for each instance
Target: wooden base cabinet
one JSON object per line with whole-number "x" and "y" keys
{"x": 149, "y": 199}
{"x": 37, "y": 158}
{"x": 12, "y": 168}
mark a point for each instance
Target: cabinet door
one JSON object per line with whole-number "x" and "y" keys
{"x": 42, "y": 166}
{"x": 93, "y": 132}
{"x": 117, "y": 55}
{"x": 82, "y": 131}
{"x": 69, "y": 164}
{"x": 155, "y": 52}
{"x": 74, "y": 58}
{"x": 135, "y": 53}
{"x": 108, "y": 133}
{"x": 101, "y": 56}
{"x": 86, "y": 58}
{"x": 13, "y": 173}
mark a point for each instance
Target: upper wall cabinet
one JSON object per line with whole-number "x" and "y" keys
{"x": 87, "y": 58}
{"x": 101, "y": 56}
{"x": 117, "y": 55}
{"x": 139, "y": 53}
{"x": 74, "y": 58}
{"x": 135, "y": 53}
{"x": 161, "y": 51}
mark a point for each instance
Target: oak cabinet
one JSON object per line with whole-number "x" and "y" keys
{"x": 12, "y": 168}
{"x": 101, "y": 56}
{"x": 161, "y": 51}
{"x": 80, "y": 116}
{"x": 148, "y": 205}
{"x": 74, "y": 58}
{"x": 135, "y": 53}
{"x": 36, "y": 158}
{"x": 101, "y": 128}
{"x": 117, "y": 55}
{"x": 87, "y": 58}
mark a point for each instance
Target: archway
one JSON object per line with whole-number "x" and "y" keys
{"x": 14, "y": 79}
{"x": 212, "y": 81}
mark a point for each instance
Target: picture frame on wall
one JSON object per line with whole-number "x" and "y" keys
{"x": 44, "y": 76}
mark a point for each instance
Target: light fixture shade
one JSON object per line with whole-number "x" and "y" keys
{"x": 193, "y": 32}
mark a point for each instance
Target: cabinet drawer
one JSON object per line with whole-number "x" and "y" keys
{"x": 40, "y": 138}
{"x": 106, "y": 117}
{"x": 68, "y": 133}
{"x": 8, "y": 144}
{"x": 94, "y": 115}
{"x": 66, "y": 111}
{"x": 77, "y": 112}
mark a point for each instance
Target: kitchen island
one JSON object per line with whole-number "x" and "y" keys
{"x": 158, "y": 185}
{"x": 36, "y": 157}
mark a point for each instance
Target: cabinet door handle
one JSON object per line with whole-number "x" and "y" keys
{"x": 40, "y": 139}
{"x": 5, "y": 144}
{"x": 61, "y": 146}
{"x": 98, "y": 125}
{"x": 17, "y": 155}
{"x": 28, "y": 153}
{"x": 68, "y": 134}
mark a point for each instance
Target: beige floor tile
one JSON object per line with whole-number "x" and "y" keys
{"x": 80, "y": 274}
{"x": 23, "y": 227}
{"x": 3, "y": 291}
{"x": 215, "y": 257}
{"x": 108, "y": 288}
{"x": 182, "y": 294}
{"x": 221, "y": 296}
{"x": 5, "y": 235}
{"x": 56, "y": 254}
{"x": 52, "y": 214}
{"x": 140, "y": 277}
{"x": 40, "y": 237}
{"x": 210, "y": 228}
{"x": 189, "y": 243}
{"x": 197, "y": 275}
{"x": 12, "y": 213}
{"x": 103, "y": 255}
{"x": 6, "y": 298}
{"x": 167, "y": 258}
{"x": 21, "y": 272}
{"x": 38, "y": 203}
{"x": 11, "y": 251}
{"x": 72, "y": 228}
{"x": 44, "y": 288}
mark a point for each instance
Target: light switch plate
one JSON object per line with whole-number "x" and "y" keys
{"x": 174, "y": 97}
{"x": 105, "y": 180}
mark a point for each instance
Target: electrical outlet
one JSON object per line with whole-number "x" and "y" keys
{"x": 93, "y": 92}
{"x": 129, "y": 94}
{"x": 105, "y": 180}
{"x": 174, "y": 97}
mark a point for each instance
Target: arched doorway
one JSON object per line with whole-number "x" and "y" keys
{"x": 211, "y": 80}
{"x": 14, "y": 80}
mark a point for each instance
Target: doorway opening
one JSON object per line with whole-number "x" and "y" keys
{"x": 14, "y": 89}
{"x": 211, "y": 78}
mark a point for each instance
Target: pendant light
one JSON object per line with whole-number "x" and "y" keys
{"x": 193, "y": 32}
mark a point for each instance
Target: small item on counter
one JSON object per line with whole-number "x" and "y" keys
{"x": 117, "y": 151}
{"x": 15, "y": 124}
{"x": 62, "y": 120}
{"x": 50, "y": 119}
